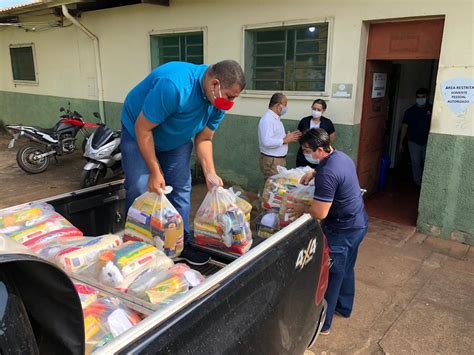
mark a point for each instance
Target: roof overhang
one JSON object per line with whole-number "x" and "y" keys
{"x": 78, "y": 6}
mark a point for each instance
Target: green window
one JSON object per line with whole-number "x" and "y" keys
{"x": 287, "y": 58}
{"x": 23, "y": 63}
{"x": 186, "y": 47}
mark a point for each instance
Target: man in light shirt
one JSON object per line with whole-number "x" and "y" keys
{"x": 272, "y": 138}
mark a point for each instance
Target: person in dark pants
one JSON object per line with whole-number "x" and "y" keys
{"x": 315, "y": 120}
{"x": 338, "y": 203}
{"x": 176, "y": 103}
{"x": 416, "y": 125}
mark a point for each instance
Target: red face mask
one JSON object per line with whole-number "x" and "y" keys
{"x": 221, "y": 103}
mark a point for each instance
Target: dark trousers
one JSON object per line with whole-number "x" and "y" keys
{"x": 344, "y": 246}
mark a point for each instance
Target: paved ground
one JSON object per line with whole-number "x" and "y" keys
{"x": 414, "y": 293}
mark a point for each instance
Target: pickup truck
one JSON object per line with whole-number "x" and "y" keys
{"x": 267, "y": 301}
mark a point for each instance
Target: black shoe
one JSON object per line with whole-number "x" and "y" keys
{"x": 193, "y": 257}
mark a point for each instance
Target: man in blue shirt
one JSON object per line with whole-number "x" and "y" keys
{"x": 338, "y": 203}
{"x": 416, "y": 126}
{"x": 176, "y": 103}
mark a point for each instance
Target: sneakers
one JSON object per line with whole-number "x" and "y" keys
{"x": 193, "y": 256}
{"x": 325, "y": 332}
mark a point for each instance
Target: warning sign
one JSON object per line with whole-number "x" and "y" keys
{"x": 458, "y": 93}
{"x": 379, "y": 84}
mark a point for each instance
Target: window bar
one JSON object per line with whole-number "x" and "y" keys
{"x": 293, "y": 74}
{"x": 284, "y": 60}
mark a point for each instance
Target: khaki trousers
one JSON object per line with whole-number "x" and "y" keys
{"x": 268, "y": 165}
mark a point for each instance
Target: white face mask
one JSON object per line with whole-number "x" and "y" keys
{"x": 316, "y": 114}
{"x": 284, "y": 109}
{"x": 421, "y": 101}
{"x": 310, "y": 159}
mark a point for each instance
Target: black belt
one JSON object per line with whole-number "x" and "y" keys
{"x": 271, "y": 156}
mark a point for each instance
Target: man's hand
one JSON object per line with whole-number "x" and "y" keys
{"x": 213, "y": 180}
{"x": 292, "y": 137}
{"x": 295, "y": 210}
{"x": 305, "y": 180}
{"x": 156, "y": 183}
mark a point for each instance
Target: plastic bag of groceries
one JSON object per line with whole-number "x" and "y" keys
{"x": 162, "y": 286}
{"x": 105, "y": 319}
{"x": 16, "y": 219}
{"x": 277, "y": 186}
{"x": 153, "y": 219}
{"x": 220, "y": 223}
{"x": 120, "y": 267}
{"x": 74, "y": 254}
{"x": 54, "y": 226}
{"x": 301, "y": 194}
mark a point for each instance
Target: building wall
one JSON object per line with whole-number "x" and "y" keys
{"x": 67, "y": 72}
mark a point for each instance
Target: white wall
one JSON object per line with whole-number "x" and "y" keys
{"x": 66, "y": 62}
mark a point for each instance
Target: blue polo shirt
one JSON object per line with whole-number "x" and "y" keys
{"x": 336, "y": 181}
{"x": 172, "y": 96}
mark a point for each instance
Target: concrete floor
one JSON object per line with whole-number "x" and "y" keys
{"x": 414, "y": 293}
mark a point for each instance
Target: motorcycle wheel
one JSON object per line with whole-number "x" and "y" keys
{"x": 91, "y": 177}
{"x": 27, "y": 161}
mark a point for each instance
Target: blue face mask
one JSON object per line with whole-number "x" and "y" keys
{"x": 421, "y": 101}
{"x": 309, "y": 158}
{"x": 283, "y": 110}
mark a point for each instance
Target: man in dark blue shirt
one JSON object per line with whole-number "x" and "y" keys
{"x": 416, "y": 126}
{"x": 338, "y": 203}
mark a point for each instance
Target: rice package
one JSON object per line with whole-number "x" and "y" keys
{"x": 279, "y": 185}
{"x": 301, "y": 194}
{"x": 16, "y": 219}
{"x": 160, "y": 286}
{"x": 104, "y": 320}
{"x": 153, "y": 219}
{"x": 120, "y": 267}
{"x": 220, "y": 223}
{"x": 77, "y": 255}
{"x": 53, "y": 226}
{"x": 166, "y": 290}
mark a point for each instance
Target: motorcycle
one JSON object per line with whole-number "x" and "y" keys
{"x": 103, "y": 156}
{"x": 34, "y": 156}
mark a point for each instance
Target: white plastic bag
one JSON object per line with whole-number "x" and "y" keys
{"x": 153, "y": 219}
{"x": 220, "y": 223}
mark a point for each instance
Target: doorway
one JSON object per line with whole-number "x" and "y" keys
{"x": 401, "y": 58}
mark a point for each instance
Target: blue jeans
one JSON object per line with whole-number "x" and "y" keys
{"x": 343, "y": 245}
{"x": 417, "y": 157}
{"x": 176, "y": 168}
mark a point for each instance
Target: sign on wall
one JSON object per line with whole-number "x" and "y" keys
{"x": 458, "y": 93}
{"x": 343, "y": 91}
{"x": 379, "y": 85}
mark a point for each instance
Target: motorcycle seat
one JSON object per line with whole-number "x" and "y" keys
{"x": 49, "y": 131}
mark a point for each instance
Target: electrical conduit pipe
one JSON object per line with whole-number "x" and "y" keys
{"x": 98, "y": 69}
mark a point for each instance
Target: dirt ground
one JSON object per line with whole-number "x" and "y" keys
{"x": 413, "y": 292}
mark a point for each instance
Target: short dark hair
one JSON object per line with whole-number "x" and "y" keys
{"x": 276, "y": 98}
{"x": 321, "y": 102}
{"x": 229, "y": 72}
{"x": 422, "y": 91}
{"x": 315, "y": 138}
